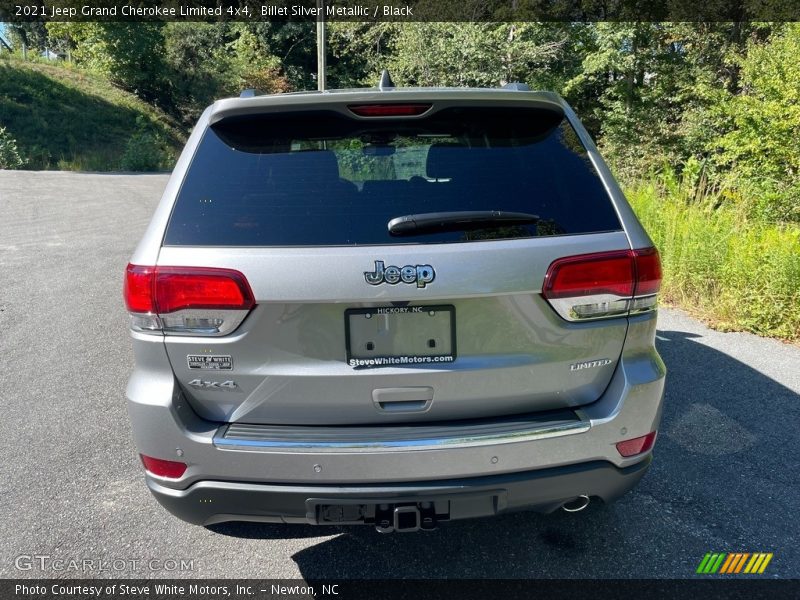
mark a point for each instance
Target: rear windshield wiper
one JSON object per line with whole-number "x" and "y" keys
{"x": 457, "y": 221}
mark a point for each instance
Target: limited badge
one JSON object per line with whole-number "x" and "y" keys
{"x": 210, "y": 362}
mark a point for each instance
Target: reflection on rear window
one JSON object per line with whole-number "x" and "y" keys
{"x": 322, "y": 179}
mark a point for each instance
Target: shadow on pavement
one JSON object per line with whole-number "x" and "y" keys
{"x": 271, "y": 531}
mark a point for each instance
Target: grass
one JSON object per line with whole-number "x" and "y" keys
{"x": 67, "y": 119}
{"x": 737, "y": 273}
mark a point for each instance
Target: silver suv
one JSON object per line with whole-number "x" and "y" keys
{"x": 393, "y": 307}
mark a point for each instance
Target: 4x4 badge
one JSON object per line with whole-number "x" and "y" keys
{"x": 227, "y": 385}
{"x": 422, "y": 275}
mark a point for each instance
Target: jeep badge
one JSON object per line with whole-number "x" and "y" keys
{"x": 422, "y": 275}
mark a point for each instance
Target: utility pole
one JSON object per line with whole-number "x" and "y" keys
{"x": 321, "y": 62}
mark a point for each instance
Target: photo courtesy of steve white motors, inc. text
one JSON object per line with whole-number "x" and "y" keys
{"x": 161, "y": 590}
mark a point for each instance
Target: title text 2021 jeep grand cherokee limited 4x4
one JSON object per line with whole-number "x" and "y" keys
{"x": 394, "y": 307}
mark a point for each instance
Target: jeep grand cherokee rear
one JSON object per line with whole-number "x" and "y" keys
{"x": 394, "y": 308}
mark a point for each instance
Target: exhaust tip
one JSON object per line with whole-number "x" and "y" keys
{"x": 576, "y": 504}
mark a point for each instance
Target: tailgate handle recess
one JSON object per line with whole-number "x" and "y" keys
{"x": 405, "y": 399}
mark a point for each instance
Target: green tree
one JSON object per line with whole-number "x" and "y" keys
{"x": 197, "y": 65}
{"x": 33, "y": 35}
{"x": 130, "y": 55}
{"x": 146, "y": 150}
{"x": 634, "y": 71}
{"x": 253, "y": 66}
{"x": 654, "y": 92}
{"x": 207, "y": 61}
{"x": 357, "y": 52}
{"x": 10, "y": 157}
{"x": 294, "y": 45}
{"x": 472, "y": 54}
{"x": 761, "y": 150}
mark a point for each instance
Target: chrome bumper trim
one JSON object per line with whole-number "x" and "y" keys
{"x": 398, "y": 438}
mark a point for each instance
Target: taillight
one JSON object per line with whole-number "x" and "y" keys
{"x": 648, "y": 271}
{"x": 603, "y": 284}
{"x": 186, "y": 300}
{"x": 163, "y": 468}
{"x": 389, "y": 110}
{"x": 178, "y": 288}
{"x": 138, "y": 289}
{"x": 637, "y": 445}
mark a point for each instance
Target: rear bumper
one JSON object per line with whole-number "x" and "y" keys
{"x": 209, "y": 502}
{"x": 267, "y": 478}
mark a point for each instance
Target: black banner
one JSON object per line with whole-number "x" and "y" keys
{"x": 391, "y": 589}
{"x": 399, "y": 10}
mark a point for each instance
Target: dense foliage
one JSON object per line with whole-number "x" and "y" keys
{"x": 736, "y": 271}
{"x": 9, "y": 154}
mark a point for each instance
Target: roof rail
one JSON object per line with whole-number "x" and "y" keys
{"x": 516, "y": 85}
{"x": 386, "y": 82}
{"x": 249, "y": 93}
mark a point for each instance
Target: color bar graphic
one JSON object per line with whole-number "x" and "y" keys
{"x": 730, "y": 563}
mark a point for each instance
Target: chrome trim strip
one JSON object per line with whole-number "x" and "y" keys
{"x": 442, "y": 443}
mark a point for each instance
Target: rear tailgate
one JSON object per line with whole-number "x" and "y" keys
{"x": 514, "y": 353}
{"x": 299, "y": 204}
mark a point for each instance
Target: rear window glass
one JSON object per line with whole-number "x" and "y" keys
{"x": 323, "y": 179}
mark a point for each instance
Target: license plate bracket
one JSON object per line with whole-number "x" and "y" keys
{"x": 398, "y": 336}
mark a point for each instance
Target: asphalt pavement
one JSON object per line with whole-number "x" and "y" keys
{"x": 724, "y": 479}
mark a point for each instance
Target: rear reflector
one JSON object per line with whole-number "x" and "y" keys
{"x": 163, "y": 468}
{"x": 189, "y": 300}
{"x": 603, "y": 284}
{"x": 636, "y": 445}
{"x": 389, "y": 110}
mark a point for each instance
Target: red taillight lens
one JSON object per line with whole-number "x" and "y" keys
{"x": 603, "y": 284}
{"x": 648, "y": 271}
{"x": 168, "y": 289}
{"x": 138, "y": 289}
{"x": 388, "y": 110}
{"x": 186, "y": 300}
{"x": 179, "y": 288}
{"x": 636, "y": 445}
{"x": 163, "y": 468}
{"x": 590, "y": 274}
